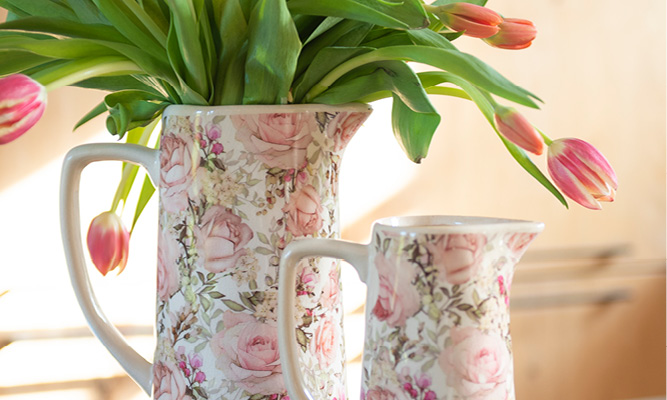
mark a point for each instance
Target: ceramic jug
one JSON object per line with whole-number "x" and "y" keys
{"x": 437, "y": 307}
{"x": 236, "y": 184}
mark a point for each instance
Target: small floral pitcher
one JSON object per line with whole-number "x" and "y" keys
{"x": 236, "y": 185}
{"x": 437, "y": 311}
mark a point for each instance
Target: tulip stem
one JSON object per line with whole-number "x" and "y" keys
{"x": 128, "y": 168}
{"x": 76, "y": 71}
{"x": 547, "y": 139}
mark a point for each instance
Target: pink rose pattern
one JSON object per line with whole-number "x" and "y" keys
{"x": 234, "y": 191}
{"x": 437, "y": 318}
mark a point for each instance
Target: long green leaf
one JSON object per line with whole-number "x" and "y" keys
{"x": 273, "y": 50}
{"x": 233, "y": 27}
{"x": 15, "y": 61}
{"x": 131, "y": 27}
{"x": 464, "y": 65}
{"x": 87, "y": 12}
{"x": 98, "y": 110}
{"x": 406, "y": 14}
{"x": 58, "y": 48}
{"x": 40, "y": 8}
{"x": 63, "y": 27}
{"x": 184, "y": 21}
{"x": 325, "y": 61}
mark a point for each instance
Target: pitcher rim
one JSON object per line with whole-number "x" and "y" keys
{"x": 443, "y": 224}
{"x": 185, "y": 109}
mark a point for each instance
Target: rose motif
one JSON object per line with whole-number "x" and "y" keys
{"x": 343, "y": 127}
{"x": 457, "y": 256}
{"x": 518, "y": 243}
{"x": 304, "y": 212}
{"x": 168, "y": 382}
{"x": 397, "y": 299}
{"x": 309, "y": 285}
{"x": 221, "y": 238}
{"x": 279, "y": 140}
{"x": 168, "y": 276}
{"x": 331, "y": 291}
{"x": 247, "y": 353}
{"x": 326, "y": 341}
{"x": 477, "y": 364}
{"x": 178, "y": 160}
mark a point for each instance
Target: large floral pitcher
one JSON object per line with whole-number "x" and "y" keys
{"x": 236, "y": 185}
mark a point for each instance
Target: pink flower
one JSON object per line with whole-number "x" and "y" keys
{"x": 108, "y": 242}
{"x": 168, "y": 276}
{"x": 196, "y": 361}
{"x": 168, "y": 383}
{"x": 516, "y": 128}
{"x": 423, "y": 381}
{"x": 247, "y": 353}
{"x": 397, "y": 298}
{"x": 513, "y": 34}
{"x": 477, "y": 364}
{"x": 326, "y": 341}
{"x": 343, "y": 127}
{"x": 22, "y": 103}
{"x": 200, "y": 377}
{"x": 304, "y": 212}
{"x": 178, "y": 161}
{"x": 279, "y": 140}
{"x": 457, "y": 256}
{"x": 581, "y": 172}
{"x": 473, "y": 20}
{"x": 213, "y": 132}
{"x": 430, "y": 395}
{"x": 217, "y": 148}
{"x": 221, "y": 238}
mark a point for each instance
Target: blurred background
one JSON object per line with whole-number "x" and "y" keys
{"x": 588, "y": 300}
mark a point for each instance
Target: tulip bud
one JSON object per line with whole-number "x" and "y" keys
{"x": 22, "y": 103}
{"x": 108, "y": 242}
{"x": 473, "y": 20}
{"x": 516, "y": 128}
{"x": 513, "y": 34}
{"x": 581, "y": 172}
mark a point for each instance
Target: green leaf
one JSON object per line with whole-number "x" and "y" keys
{"x": 63, "y": 27}
{"x": 98, "y": 110}
{"x": 185, "y": 29}
{"x": 464, "y": 65}
{"x": 426, "y": 37}
{"x": 444, "y": 2}
{"x": 273, "y": 50}
{"x": 233, "y": 27}
{"x": 147, "y": 190}
{"x": 323, "y": 63}
{"x": 40, "y": 8}
{"x": 129, "y": 109}
{"x": 14, "y": 61}
{"x": 407, "y": 14}
{"x": 58, "y": 48}
{"x": 413, "y": 130}
{"x": 131, "y": 26}
{"x": 87, "y": 12}
{"x": 234, "y": 306}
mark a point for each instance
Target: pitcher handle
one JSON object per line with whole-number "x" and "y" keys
{"x": 75, "y": 161}
{"x": 355, "y": 254}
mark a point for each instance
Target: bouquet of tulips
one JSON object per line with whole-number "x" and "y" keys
{"x": 149, "y": 54}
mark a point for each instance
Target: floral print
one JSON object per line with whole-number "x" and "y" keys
{"x": 235, "y": 189}
{"x": 437, "y": 321}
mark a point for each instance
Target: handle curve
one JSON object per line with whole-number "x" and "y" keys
{"x": 354, "y": 253}
{"x": 75, "y": 161}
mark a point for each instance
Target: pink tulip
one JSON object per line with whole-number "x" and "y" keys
{"x": 516, "y": 128}
{"x": 22, "y": 103}
{"x": 473, "y": 20}
{"x": 581, "y": 172}
{"x": 513, "y": 34}
{"x": 108, "y": 242}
